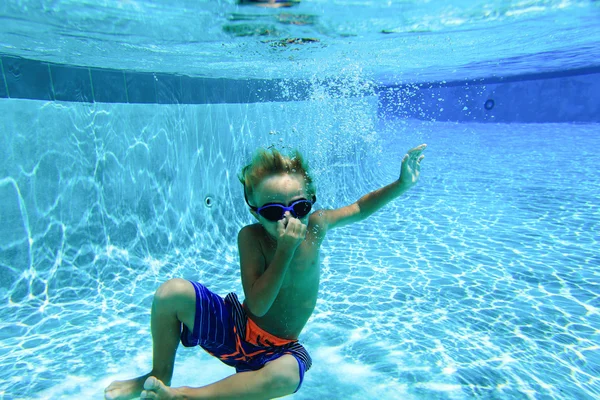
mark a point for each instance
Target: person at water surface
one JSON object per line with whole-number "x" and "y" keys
{"x": 280, "y": 271}
{"x": 269, "y": 3}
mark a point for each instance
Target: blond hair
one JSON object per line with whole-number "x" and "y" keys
{"x": 267, "y": 162}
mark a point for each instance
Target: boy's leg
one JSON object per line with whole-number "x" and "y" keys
{"x": 277, "y": 378}
{"x": 174, "y": 303}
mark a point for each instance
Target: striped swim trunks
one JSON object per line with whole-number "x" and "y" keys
{"x": 222, "y": 328}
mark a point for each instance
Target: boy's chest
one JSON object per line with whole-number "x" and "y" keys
{"x": 300, "y": 286}
{"x": 298, "y": 293}
{"x": 304, "y": 268}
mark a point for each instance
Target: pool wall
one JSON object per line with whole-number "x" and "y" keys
{"x": 562, "y": 96}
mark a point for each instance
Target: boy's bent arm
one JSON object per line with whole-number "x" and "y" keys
{"x": 261, "y": 283}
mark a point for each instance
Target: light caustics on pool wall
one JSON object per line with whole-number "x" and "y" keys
{"x": 102, "y": 202}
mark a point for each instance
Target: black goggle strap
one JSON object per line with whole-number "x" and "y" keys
{"x": 246, "y": 198}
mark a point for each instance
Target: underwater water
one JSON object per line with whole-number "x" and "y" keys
{"x": 481, "y": 282}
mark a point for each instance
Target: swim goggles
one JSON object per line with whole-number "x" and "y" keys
{"x": 276, "y": 211}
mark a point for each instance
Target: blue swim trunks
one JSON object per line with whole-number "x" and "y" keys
{"x": 222, "y": 328}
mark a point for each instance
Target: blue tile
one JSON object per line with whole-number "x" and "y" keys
{"x": 193, "y": 90}
{"x": 255, "y": 89}
{"x": 215, "y": 90}
{"x": 27, "y": 79}
{"x": 168, "y": 89}
{"x": 3, "y": 92}
{"x": 232, "y": 91}
{"x": 109, "y": 86}
{"x": 71, "y": 83}
{"x": 235, "y": 91}
{"x": 141, "y": 87}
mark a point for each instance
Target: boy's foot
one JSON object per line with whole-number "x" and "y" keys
{"x": 124, "y": 390}
{"x": 155, "y": 389}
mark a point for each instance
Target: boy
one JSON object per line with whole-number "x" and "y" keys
{"x": 279, "y": 259}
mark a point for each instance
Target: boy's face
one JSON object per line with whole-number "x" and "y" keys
{"x": 283, "y": 189}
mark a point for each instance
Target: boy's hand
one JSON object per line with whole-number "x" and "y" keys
{"x": 291, "y": 232}
{"x": 411, "y": 166}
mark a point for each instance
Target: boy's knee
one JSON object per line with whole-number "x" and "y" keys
{"x": 176, "y": 297}
{"x": 173, "y": 290}
{"x": 285, "y": 376}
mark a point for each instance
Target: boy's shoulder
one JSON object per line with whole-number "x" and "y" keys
{"x": 251, "y": 236}
{"x": 251, "y": 229}
{"x": 317, "y": 224}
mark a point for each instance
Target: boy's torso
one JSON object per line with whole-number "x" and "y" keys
{"x": 298, "y": 294}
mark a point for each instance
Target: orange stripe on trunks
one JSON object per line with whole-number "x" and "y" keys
{"x": 259, "y": 337}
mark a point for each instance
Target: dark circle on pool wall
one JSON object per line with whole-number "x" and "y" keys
{"x": 208, "y": 201}
{"x": 489, "y": 104}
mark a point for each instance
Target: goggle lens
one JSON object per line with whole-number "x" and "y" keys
{"x": 302, "y": 209}
{"x": 272, "y": 213}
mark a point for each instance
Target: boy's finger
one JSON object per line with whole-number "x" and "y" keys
{"x": 288, "y": 225}
{"x": 418, "y": 148}
{"x": 416, "y": 153}
{"x": 303, "y": 230}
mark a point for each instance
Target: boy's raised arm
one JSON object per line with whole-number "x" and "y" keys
{"x": 372, "y": 202}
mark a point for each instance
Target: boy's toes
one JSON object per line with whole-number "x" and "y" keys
{"x": 152, "y": 383}
{"x": 155, "y": 389}
{"x": 147, "y": 395}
